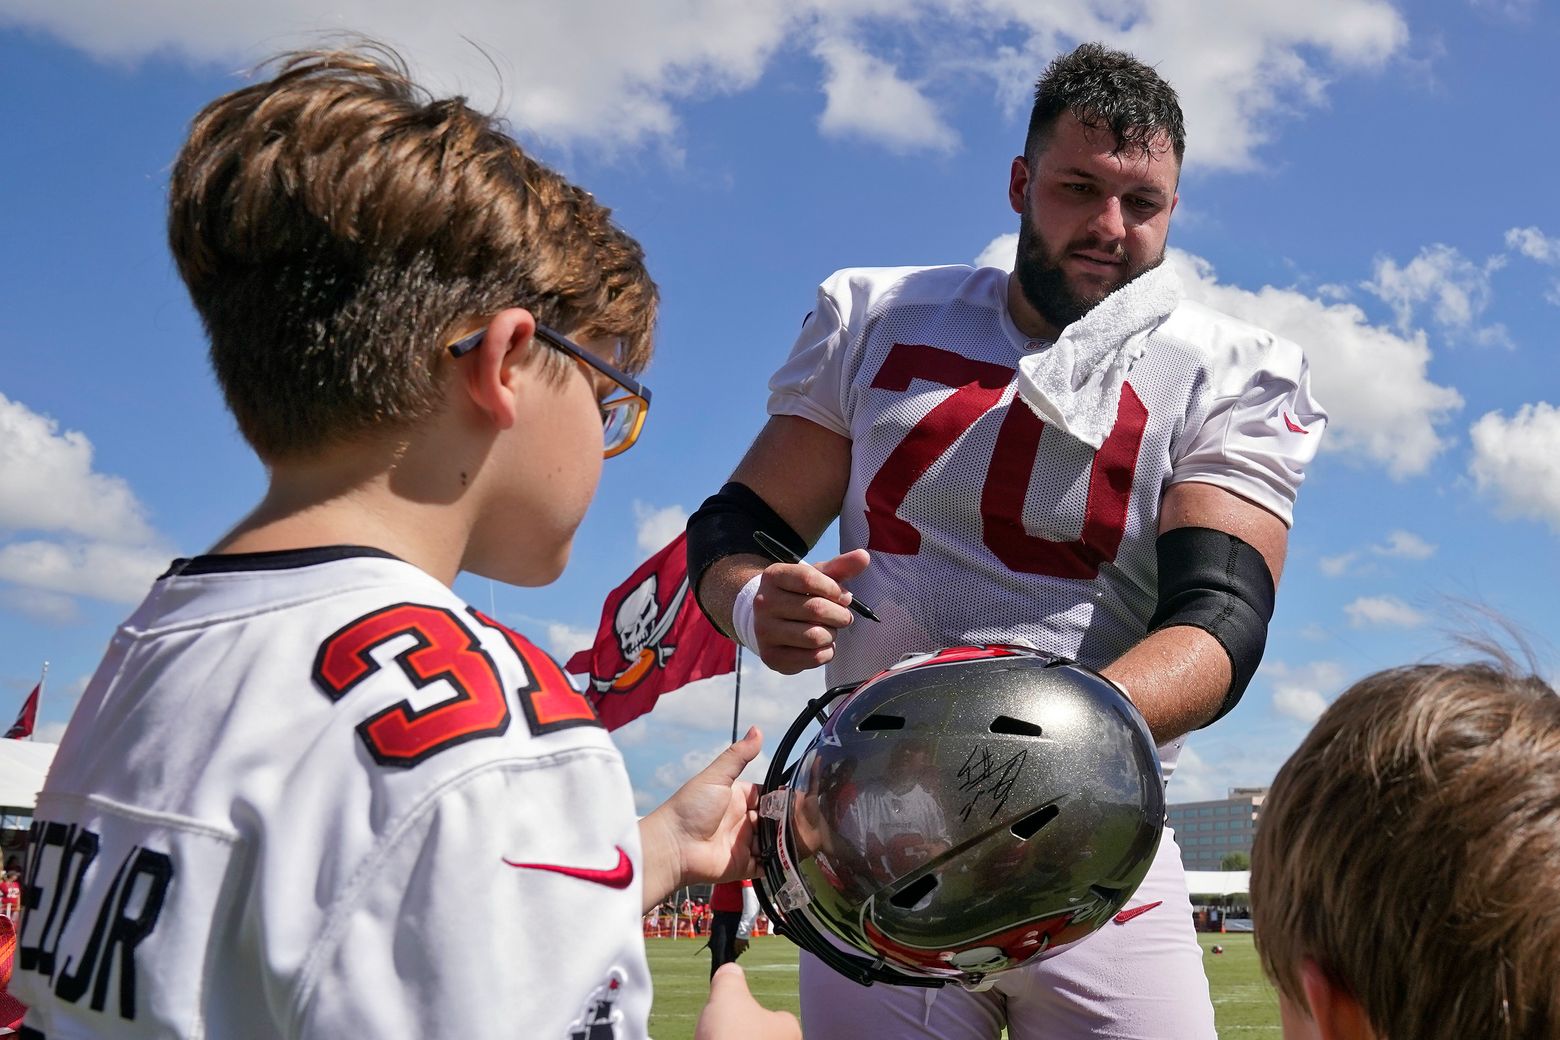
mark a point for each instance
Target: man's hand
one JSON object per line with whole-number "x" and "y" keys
{"x": 800, "y": 607}
{"x": 704, "y": 832}
{"x": 740, "y": 946}
{"x": 733, "y": 1013}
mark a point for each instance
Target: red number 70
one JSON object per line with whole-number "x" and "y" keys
{"x": 977, "y": 386}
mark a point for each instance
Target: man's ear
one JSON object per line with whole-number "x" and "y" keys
{"x": 1337, "y": 1014}
{"x": 1018, "y": 183}
{"x": 494, "y": 375}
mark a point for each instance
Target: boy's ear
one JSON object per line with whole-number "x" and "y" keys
{"x": 494, "y": 373}
{"x": 1337, "y": 1014}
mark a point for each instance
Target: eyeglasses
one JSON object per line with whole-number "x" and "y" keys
{"x": 624, "y": 407}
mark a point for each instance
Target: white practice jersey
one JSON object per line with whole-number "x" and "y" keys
{"x": 987, "y": 526}
{"x": 313, "y": 794}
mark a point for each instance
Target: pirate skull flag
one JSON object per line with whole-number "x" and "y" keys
{"x": 653, "y": 639}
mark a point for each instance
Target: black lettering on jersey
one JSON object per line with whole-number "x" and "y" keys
{"x": 126, "y": 915}
{"x": 78, "y": 847}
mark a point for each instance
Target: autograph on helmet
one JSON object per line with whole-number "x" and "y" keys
{"x": 981, "y": 775}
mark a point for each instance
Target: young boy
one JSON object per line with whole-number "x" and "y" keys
{"x": 1404, "y": 881}
{"x": 310, "y": 792}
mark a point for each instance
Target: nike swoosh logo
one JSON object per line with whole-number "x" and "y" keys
{"x": 1136, "y": 911}
{"x": 619, "y": 876}
{"x": 1293, "y": 427}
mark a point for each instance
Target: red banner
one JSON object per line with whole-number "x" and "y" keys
{"x": 23, "y": 726}
{"x": 653, "y": 638}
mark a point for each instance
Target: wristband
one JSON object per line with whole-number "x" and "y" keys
{"x": 742, "y": 613}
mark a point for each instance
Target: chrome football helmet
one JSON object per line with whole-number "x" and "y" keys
{"x": 960, "y": 814}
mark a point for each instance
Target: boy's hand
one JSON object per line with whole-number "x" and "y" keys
{"x": 704, "y": 832}
{"x": 733, "y": 1013}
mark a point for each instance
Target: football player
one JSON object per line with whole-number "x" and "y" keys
{"x": 309, "y": 792}
{"x": 1070, "y": 456}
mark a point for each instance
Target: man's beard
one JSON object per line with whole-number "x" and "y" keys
{"x": 1045, "y": 285}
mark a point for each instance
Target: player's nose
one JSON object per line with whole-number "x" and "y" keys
{"x": 1107, "y": 223}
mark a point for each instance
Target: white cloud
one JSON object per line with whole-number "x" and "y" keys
{"x": 1001, "y": 252}
{"x": 564, "y": 641}
{"x": 615, "y": 73}
{"x": 673, "y": 774}
{"x": 656, "y": 527}
{"x": 700, "y": 714}
{"x": 1303, "y": 693}
{"x": 1515, "y": 10}
{"x": 117, "y": 573}
{"x": 1456, "y": 289}
{"x": 1298, "y": 702}
{"x": 1399, "y": 545}
{"x": 1383, "y": 612}
{"x": 98, "y": 542}
{"x": 1238, "y": 69}
{"x": 1518, "y": 461}
{"x": 769, "y": 700}
{"x": 1337, "y": 566}
{"x": 866, "y": 98}
{"x": 1532, "y": 243}
{"x": 1406, "y": 545}
{"x": 1374, "y": 383}
{"x": 1194, "y": 779}
{"x": 40, "y": 605}
{"x": 47, "y": 482}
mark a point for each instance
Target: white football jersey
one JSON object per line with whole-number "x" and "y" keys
{"x": 984, "y": 524}
{"x": 313, "y": 794}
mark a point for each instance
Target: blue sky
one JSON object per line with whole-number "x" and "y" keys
{"x": 1374, "y": 180}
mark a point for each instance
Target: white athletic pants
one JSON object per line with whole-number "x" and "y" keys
{"x": 1140, "y": 980}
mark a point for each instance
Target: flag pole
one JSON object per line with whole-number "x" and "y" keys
{"x": 736, "y": 700}
{"x": 42, "y": 676}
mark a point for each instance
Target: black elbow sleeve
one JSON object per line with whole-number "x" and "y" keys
{"x": 724, "y": 525}
{"x": 1214, "y": 581}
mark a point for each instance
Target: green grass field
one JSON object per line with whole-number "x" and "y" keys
{"x": 1244, "y": 1005}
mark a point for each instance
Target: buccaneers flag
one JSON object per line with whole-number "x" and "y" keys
{"x": 653, "y": 639}
{"x": 23, "y": 726}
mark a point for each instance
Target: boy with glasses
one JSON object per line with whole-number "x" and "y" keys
{"x": 310, "y": 792}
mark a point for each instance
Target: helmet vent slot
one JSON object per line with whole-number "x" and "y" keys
{"x": 1025, "y": 829}
{"x": 1014, "y": 727}
{"x": 912, "y": 894}
{"x": 880, "y": 721}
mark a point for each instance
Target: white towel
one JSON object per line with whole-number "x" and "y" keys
{"x": 1075, "y": 384}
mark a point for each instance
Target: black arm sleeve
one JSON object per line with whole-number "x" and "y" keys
{"x": 1214, "y": 581}
{"x": 724, "y": 525}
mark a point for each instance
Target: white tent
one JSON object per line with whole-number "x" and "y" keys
{"x": 23, "y": 765}
{"x": 1218, "y": 883}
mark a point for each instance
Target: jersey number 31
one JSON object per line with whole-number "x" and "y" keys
{"x": 443, "y": 650}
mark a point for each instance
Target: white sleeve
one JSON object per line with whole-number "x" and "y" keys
{"x": 442, "y": 934}
{"x": 749, "y": 912}
{"x": 1257, "y": 440}
{"x": 811, "y": 382}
